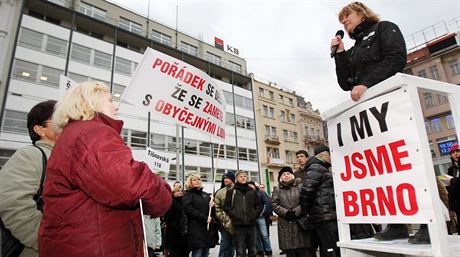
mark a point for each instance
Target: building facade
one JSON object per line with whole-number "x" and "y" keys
{"x": 98, "y": 40}
{"x": 437, "y": 59}
{"x": 281, "y": 121}
{"x": 311, "y": 125}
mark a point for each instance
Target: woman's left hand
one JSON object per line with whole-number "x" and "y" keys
{"x": 357, "y": 92}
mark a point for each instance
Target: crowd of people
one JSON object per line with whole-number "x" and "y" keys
{"x": 90, "y": 202}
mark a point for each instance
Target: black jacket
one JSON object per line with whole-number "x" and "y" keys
{"x": 196, "y": 206}
{"x": 175, "y": 231}
{"x": 454, "y": 188}
{"x": 242, "y": 205}
{"x": 317, "y": 193}
{"x": 379, "y": 53}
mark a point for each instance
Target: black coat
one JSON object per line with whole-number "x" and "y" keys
{"x": 454, "y": 188}
{"x": 317, "y": 193}
{"x": 242, "y": 205}
{"x": 196, "y": 206}
{"x": 379, "y": 53}
{"x": 175, "y": 232}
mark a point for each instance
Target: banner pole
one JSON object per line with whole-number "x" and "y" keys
{"x": 214, "y": 178}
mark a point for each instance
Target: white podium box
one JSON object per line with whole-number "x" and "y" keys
{"x": 383, "y": 170}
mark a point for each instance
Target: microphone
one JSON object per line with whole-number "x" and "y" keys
{"x": 334, "y": 48}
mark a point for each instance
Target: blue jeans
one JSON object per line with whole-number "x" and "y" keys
{"x": 201, "y": 252}
{"x": 226, "y": 244}
{"x": 245, "y": 238}
{"x": 263, "y": 241}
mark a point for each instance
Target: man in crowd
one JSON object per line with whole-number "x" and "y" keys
{"x": 318, "y": 202}
{"x": 302, "y": 158}
{"x": 227, "y": 249}
{"x": 243, "y": 207}
{"x": 263, "y": 245}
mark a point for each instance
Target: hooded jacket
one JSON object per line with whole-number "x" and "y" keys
{"x": 317, "y": 194}
{"x": 242, "y": 205}
{"x": 92, "y": 191}
{"x": 379, "y": 53}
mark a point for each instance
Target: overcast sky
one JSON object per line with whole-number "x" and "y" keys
{"x": 287, "y": 42}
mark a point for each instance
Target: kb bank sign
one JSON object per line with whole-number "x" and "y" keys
{"x": 219, "y": 43}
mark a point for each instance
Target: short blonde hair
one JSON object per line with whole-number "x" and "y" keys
{"x": 81, "y": 102}
{"x": 359, "y": 8}
{"x": 188, "y": 183}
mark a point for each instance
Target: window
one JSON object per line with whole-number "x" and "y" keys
{"x": 243, "y": 153}
{"x": 282, "y": 99}
{"x": 231, "y": 152}
{"x": 450, "y": 121}
{"x": 56, "y": 46}
{"x": 81, "y": 53}
{"x": 273, "y": 152}
{"x": 271, "y": 95}
{"x": 436, "y": 125}
{"x": 235, "y": 67}
{"x": 285, "y": 135}
{"x": 442, "y": 99}
{"x": 290, "y": 157}
{"x": 221, "y": 150}
{"x": 427, "y": 127}
{"x": 429, "y": 100}
{"x": 252, "y": 155}
{"x": 30, "y": 39}
{"x": 434, "y": 72}
{"x": 130, "y": 25}
{"x": 138, "y": 139}
{"x": 228, "y": 98}
{"x": 190, "y": 146}
{"x": 268, "y": 111}
{"x": 214, "y": 58}
{"x": 295, "y": 137}
{"x": 117, "y": 90}
{"x": 102, "y": 60}
{"x": 50, "y": 76}
{"x": 192, "y": 50}
{"x": 123, "y": 66}
{"x": 92, "y": 11}
{"x": 291, "y": 102}
{"x": 293, "y": 118}
{"x": 170, "y": 144}
{"x": 422, "y": 73}
{"x": 283, "y": 116}
{"x": 261, "y": 92}
{"x": 454, "y": 67}
{"x": 205, "y": 148}
{"x": 270, "y": 132}
{"x": 157, "y": 141}
{"x": 25, "y": 70}
{"x": 5, "y": 155}
{"x": 161, "y": 38}
{"x": 230, "y": 119}
{"x": 15, "y": 122}
{"x": 77, "y": 77}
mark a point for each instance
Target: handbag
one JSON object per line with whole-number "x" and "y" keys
{"x": 11, "y": 246}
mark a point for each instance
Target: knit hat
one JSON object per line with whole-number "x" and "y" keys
{"x": 453, "y": 147}
{"x": 320, "y": 149}
{"x": 230, "y": 176}
{"x": 252, "y": 183}
{"x": 284, "y": 169}
{"x": 241, "y": 172}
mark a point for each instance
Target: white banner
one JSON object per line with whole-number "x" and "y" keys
{"x": 157, "y": 160}
{"x": 179, "y": 92}
{"x": 64, "y": 84}
{"x": 377, "y": 162}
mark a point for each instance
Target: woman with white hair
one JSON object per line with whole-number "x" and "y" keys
{"x": 93, "y": 184}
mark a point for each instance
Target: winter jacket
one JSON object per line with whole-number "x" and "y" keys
{"x": 19, "y": 182}
{"x": 219, "y": 200}
{"x": 196, "y": 206}
{"x": 379, "y": 53}
{"x": 242, "y": 205}
{"x": 300, "y": 173}
{"x": 285, "y": 198}
{"x": 454, "y": 188}
{"x": 92, "y": 191}
{"x": 266, "y": 205}
{"x": 176, "y": 231}
{"x": 317, "y": 194}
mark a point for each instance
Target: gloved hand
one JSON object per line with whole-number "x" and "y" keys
{"x": 290, "y": 215}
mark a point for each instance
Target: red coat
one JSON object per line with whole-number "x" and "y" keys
{"x": 92, "y": 191}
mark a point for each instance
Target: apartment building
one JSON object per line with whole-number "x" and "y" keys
{"x": 437, "y": 59}
{"x": 99, "y": 40}
{"x": 282, "y": 127}
{"x": 311, "y": 125}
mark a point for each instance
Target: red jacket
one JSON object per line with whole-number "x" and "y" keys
{"x": 92, "y": 191}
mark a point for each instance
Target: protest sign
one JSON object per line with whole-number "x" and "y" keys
{"x": 179, "y": 92}
{"x": 64, "y": 84}
{"x": 378, "y": 166}
{"x": 157, "y": 160}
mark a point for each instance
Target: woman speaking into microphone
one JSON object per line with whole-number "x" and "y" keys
{"x": 379, "y": 51}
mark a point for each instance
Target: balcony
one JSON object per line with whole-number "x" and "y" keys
{"x": 313, "y": 140}
{"x": 275, "y": 162}
{"x": 274, "y": 140}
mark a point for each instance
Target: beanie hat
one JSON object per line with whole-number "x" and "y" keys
{"x": 320, "y": 149}
{"x": 284, "y": 169}
{"x": 230, "y": 176}
{"x": 453, "y": 147}
{"x": 241, "y": 172}
{"x": 252, "y": 183}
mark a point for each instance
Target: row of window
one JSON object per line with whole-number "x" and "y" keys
{"x": 271, "y": 95}
{"x": 436, "y": 125}
{"x": 431, "y": 102}
{"x": 288, "y": 136}
{"x": 240, "y": 101}
{"x": 310, "y": 131}
{"x": 434, "y": 71}
{"x": 284, "y": 116}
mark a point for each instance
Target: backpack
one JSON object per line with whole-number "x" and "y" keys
{"x": 11, "y": 246}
